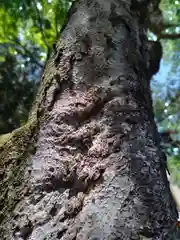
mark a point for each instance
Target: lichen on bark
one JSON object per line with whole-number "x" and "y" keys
{"x": 88, "y": 164}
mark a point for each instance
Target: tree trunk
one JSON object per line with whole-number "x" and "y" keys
{"x": 88, "y": 163}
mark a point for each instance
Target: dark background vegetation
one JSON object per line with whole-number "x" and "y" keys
{"x": 28, "y": 29}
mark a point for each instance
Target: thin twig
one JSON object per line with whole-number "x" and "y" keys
{"x": 40, "y": 24}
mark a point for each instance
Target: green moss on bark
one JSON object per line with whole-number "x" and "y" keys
{"x": 14, "y": 152}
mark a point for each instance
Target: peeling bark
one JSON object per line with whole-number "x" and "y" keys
{"x": 91, "y": 167}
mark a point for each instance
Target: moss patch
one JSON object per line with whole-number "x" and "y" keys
{"x": 15, "y": 148}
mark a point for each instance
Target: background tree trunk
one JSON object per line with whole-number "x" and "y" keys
{"x": 88, "y": 163}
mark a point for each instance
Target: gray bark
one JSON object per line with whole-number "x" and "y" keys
{"x": 91, "y": 166}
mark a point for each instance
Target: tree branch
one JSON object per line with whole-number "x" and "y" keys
{"x": 27, "y": 52}
{"x": 169, "y": 36}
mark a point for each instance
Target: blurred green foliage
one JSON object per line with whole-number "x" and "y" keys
{"x": 166, "y": 89}
{"x": 28, "y": 29}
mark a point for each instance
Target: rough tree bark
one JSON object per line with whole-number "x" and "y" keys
{"x": 88, "y": 163}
